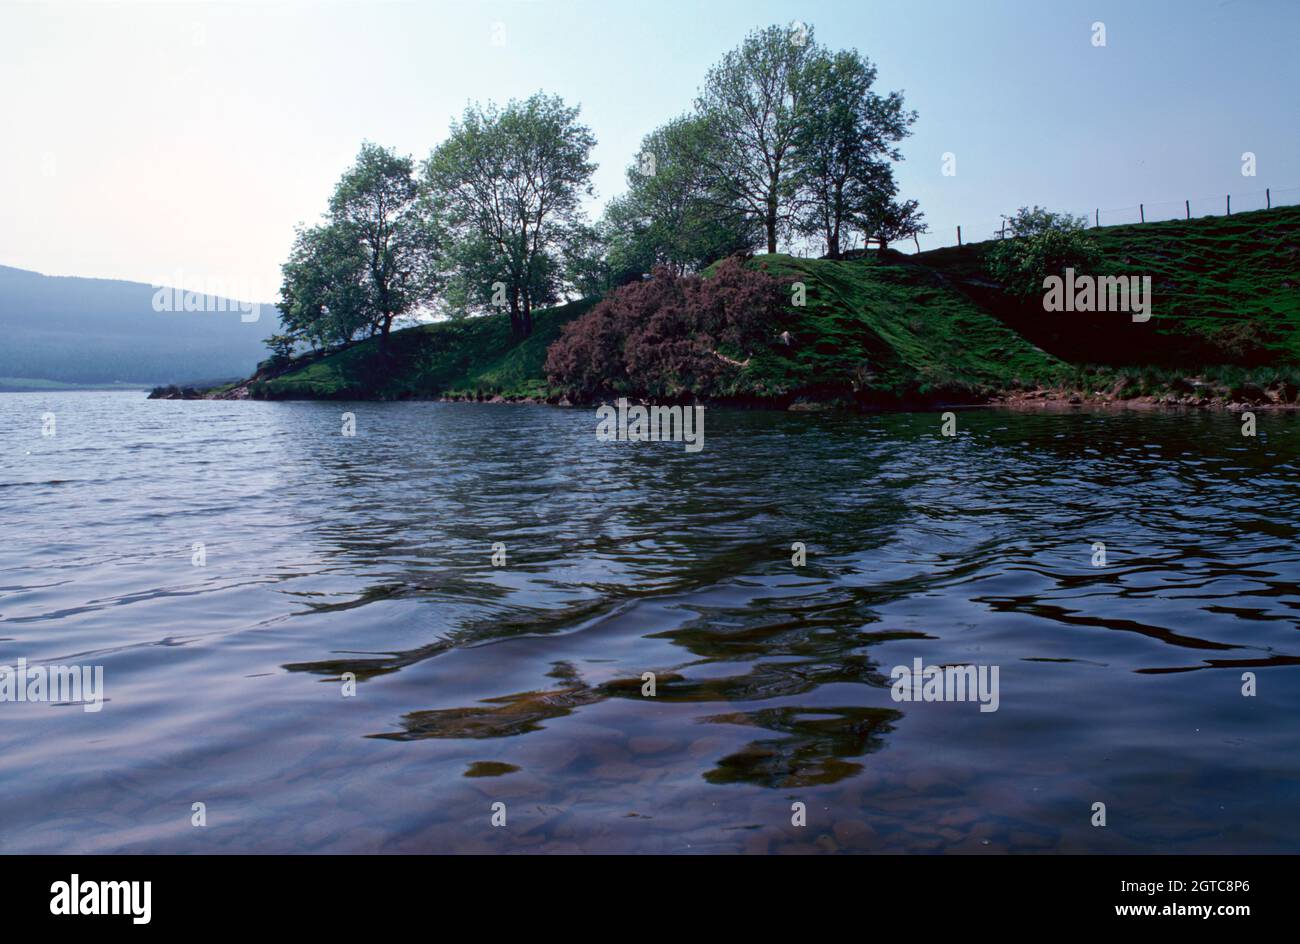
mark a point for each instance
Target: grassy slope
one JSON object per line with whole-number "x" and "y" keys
{"x": 1225, "y": 290}
{"x": 452, "y": 358}
{"x": 1234, "y": 281}
{"x": 897, "y": 328}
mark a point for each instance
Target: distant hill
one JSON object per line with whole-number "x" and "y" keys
{"x": 72, "y": 331}
{"x": 1225, "y": 323}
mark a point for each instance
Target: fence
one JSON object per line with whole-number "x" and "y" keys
{"x": 1225, "y": 205}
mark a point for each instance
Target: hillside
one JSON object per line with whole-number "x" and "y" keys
{"x": 896, "y": 329}
{"x": 1226, "y": 290}
{"x": 463, "y": 357}
{"x": 893, "y": 329}
{"x": 68, "y": 332}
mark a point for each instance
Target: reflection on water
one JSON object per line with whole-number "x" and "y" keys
{"x": 364, "y": 563}
{"x": 813, "y": 748}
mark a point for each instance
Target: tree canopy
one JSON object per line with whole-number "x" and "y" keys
{"x": 374, "y": 258}
{"x": 508, "y": 184}
{"x": 673, "y": 213}
{"x": 844, "y": 144}
{"x": 787, "y": 140}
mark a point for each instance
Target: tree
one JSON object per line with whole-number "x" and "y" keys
{"x": 754, "y": 101}
{"x": 1038, "y": 244}
{"x": 374, "y": 259}
{"x": 671, "y": 214}
{"x": 587, "y": 267}
{"x": 843, "y": 142}
{"x": 378, "y": 207}
{"x": 282, "y": 347}
{"x": 508, "y": 182}
{"x": 897, "y": 221}
{"x": 885, "y": 218}
{"x": 321, "y": 297}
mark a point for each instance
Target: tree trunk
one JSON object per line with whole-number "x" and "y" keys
{"x": 771, "y": 218}
{"x": 833, "y": 217}
{"x": 528, "y": 315}
{"x": 514, "y": 313}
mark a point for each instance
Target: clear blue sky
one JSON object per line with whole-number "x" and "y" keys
{"x": 151, "y": 141}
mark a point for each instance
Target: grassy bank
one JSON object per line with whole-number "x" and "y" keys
{"x": 468, "y": 357}
{"x": 1225, "y": 326}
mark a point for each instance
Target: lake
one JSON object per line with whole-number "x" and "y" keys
{"x": 306, "y": 644}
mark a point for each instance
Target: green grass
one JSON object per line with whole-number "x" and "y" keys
{"x": 463, "y": 357}
{"x": 1225, "y": 290}
{"x": 1231, "y": 282}
{"x": 898, "y": 330}
{"x": 1225, "y": 310}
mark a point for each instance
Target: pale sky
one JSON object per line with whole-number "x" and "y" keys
{"x": 181, "y": 142}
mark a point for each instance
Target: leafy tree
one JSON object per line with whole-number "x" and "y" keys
{"x": 480, "y": 278}
{"x": 508, "y": 182}
{"x": 672, "y": 214}
{"x": 633, "y": 247}
{"x": 322, "y": 290}
{"x": 795, "y": 136}
{"x": 282, "y": 347}
{"x": 1038, "y": 244}
{"x": 378, "y": 207}
{"x": 374, "y": 259}
{"x": 587, "y": 267}
{"x": 887, "y": 219}
{"x": 843, "y": 142}
{"x": 899, "y": 221}
{"x": 754, "y": 101}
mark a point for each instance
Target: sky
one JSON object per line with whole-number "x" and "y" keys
{"x": 180, "y": 143}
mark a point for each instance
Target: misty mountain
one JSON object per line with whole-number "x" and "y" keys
{"x": 100, "y": 331}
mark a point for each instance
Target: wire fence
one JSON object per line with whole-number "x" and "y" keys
{"x": 1192, "y": 208}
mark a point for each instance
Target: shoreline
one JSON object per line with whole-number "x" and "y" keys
{"x": 1054, "y": 400}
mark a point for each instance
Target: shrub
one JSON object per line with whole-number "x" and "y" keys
{"x": 672, "y": 337}
{"x": 1039, "y": 244}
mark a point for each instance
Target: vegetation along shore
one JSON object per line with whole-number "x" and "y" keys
{"x": 679, "y": 293}
{"x": 891, "y": 331}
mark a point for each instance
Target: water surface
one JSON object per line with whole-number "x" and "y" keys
{"x": 522, "y": 684}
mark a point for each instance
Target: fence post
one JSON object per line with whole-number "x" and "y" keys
{"x": 1097, "y": 219}
{"x": 1230, "y": 204}
{"x": 1268, "y": 199}
{"x": 1142, "y": 212}
{"x": 958, "y": 235}
{"x": 1187, "y": 205}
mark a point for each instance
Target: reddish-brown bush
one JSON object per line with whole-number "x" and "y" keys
{"x": 671, "y": 336}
